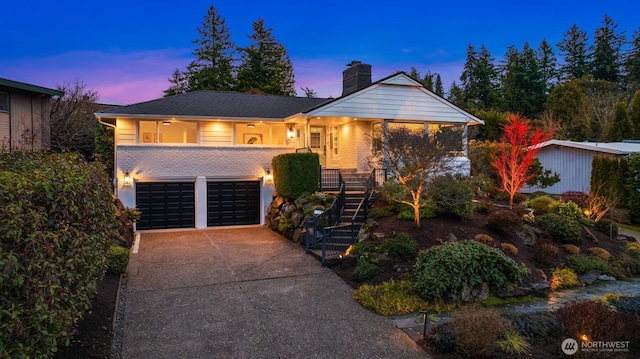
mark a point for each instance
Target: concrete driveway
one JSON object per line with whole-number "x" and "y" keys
{"x": 245, "y": 293}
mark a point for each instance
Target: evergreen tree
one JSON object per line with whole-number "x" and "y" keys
{"x": 265, "y": 64}
{"x": 621, "y": 126}
{"x": 414, "y": 74}
{"x": 547, "y": 62}
{"x": 607, "y": 52}
{"x": 632, "y": 63}
{"x": 455, "y": 94}
{"x": 427, "y": 81}
{"x": 213, "y": 67}
{"x": 565, "y": 103}
{"x": 634, "y": 115}
{"x": 523, "y": 86}
{"x": 439, "y": 90}
{"x": 479, "y": 79}
{"x": 573, "y": 48}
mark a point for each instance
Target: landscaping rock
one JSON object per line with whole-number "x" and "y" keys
{"x": 540, "y": 289}
{"x": 452, "y": 237}
{"x": 470, "y": 293}
{"x": 589, "y": 277}
{"x": 605, "y": 277}
{"x": 515, "y": 292}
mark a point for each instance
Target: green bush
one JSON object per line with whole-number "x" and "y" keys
{"x": 561, "y": 229}
{"x": 631, "y": 185}
{"x": 563, "y": 278}
{"x": 401, "y": 246}
{"x": 451, "y": 195}
{"x": 504, "y": 221}
{"x": 390, "y": 298}
{"x": 57, "y": 219}
{"x": 426, "y": 211}
{"x": 286, "y": 173}
{"x": 117, "y": 259}
{"x": 607, "y": 226}
{"x": 448, "y": 267}
{"x": 364, "y": 270}
{"x": 379, "y": 212}
{"x": 538, "y": 194}
{"x": 569, "y": 210}
{"x": 541, "y": 204}
{"x": 582, "y": 264}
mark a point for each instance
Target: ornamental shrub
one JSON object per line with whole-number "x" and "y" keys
{"x": 607, "y": 226}
{"x": 401, "y": 246}
{"x": 57, "y": 220}
{"x": 117, "y": 259}
{"x": 563, "y": 278}
{"x": 448, "y": 267}
{"x": 590, "y": 318}
{"x": 600, "y": 253}
{"x": 509, "y": 249}
{"x": 390, "y": 298}
{"x": 295, "y": 174}
{"x": 364, "y": 270}
{"x": 451, "y": 195}
{"x": 545, "y": 252}
{"x": 484, "y": 238}
{"x": 577, "y": 197}
{"x": 571, "y": 249}
{"x": 569, "y": 210}
{"x": 560, "y": 228}
{"x": 582, "y": 264}
{"x": 541, "y": 204}
{"x": 426, "y": 211}
{"x": 476, "y": 330}
{"x": 504, "y": 221}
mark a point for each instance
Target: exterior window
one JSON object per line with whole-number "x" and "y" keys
{"x": 315, "y": 139}
{"x": 168, "y": 132}
{"x": 256, "y": 133}
{"x": 4, "y": 101}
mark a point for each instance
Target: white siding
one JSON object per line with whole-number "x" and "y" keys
{"x": 213, "y": 133}
{"x": 127, "y": 132}
{"x": 572, "y": 164}
{"x": 393, "y": 103}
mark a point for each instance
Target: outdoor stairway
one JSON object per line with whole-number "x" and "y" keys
{"x": 342, "y": 235}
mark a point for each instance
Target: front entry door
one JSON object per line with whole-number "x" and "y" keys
{"x": 318, "y": 144}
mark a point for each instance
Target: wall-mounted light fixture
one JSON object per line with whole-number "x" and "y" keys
{"x": 290, "y": 132}
{"x": 127, "y": 180}
{"x": 166, "y": 123}
{"x": 268, "y": 176}
{"x": 251, "y": 125}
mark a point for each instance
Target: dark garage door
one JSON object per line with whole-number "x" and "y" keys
{"x": 165, "y": 205}
{"x": 233, "y": 203}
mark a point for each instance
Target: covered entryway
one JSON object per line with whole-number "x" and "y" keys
{"x": 165, "y": 205}
{"x": 233, "y": 203}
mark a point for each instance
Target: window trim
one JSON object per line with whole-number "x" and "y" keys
{"x": 7, "y": 102}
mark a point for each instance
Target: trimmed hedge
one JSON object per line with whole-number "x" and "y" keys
{"x": 561, "y": 229}
{"x": 448, "y": 267}
{"x": 56, "y": 222}
{"x": 295, "y": 174}
{"x": 117, "y": 259}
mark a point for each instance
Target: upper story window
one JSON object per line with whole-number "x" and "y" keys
{"x": 4, "y": 101}
{"x": 261, "y": 133}
{"x": 168, "y": 132}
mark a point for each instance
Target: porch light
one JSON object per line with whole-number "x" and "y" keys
{"x": 166, "y": 123}
{"x": 251, "y": 125}
{"x": 127, "y": 181}
{"x": 268, "y": 176}
{"x": 290, "y": 132}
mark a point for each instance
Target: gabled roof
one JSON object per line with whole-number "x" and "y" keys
{"x": 615, "y": 148}
{"x": 29, "y": 88}
{"x": 218, "y": 104}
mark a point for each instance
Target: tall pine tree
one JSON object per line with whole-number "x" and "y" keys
{"x": 213, "y": 67}
{"x": 632, "y": 62}
{"x": 265, "y": 64}
{"x": 479, "y": 79}
{"x": 574, "y": 48}
{"x": 439, "y": 90}
{"x": 523, "y": 86}
{"x": 547, "y": 62}
{"x": 634, "y": 115}
{"x": 621, "y": 127}
{"x": 607, "y": 52}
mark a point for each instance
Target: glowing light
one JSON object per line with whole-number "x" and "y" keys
{"x": 584, "y": 338}
{"x": 127, "y": 180}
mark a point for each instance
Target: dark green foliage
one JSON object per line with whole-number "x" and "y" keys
{"x": 56, "y": 220}
{"x": 542, "y": 177}
{"x": 295, "y": 174}
{"x": 441, "y": 338}
{"x": 569, "y": 210}
{"x": 446, "y": 268}
{"x": 364, "y": 270}
{"x": 582, "y": 264}
{"x": 626, "y": 304}
{"x": 426, "y": 211}
{"x": 401, "y": 246}
{"x": 621, "y": 126}
{"x": 117, "y": 259}
{"x": 537, "y": 194}
{"x": 560, "y": 228}
{"x": 534, "y": 325}
{"x": 451, "y": 195}
{"x": 632, "y": 187}
{"x": 504, "y": 221}
{"x": 607, "y": 177}
{"x": 379, "y": 212}
{"x": 607, "y": 226}
{"x": 541, "y": 204}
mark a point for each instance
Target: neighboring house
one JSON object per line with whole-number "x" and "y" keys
{"x": 24, "y": 115}
{"x": 202, "y": 159}
{"x": 572, "y": 161}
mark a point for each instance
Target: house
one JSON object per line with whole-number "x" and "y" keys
{"x": 202, "y": 159}
{"x": 24, "y": 115}
{"x": 572, "y": 161}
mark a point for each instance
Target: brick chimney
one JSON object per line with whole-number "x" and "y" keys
{"x": 356, "y": 77}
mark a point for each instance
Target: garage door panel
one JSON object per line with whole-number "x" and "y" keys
{"x": 165, "y": 205}
{"x": 233, "y": 203}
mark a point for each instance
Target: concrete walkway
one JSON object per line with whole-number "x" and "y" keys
{"x": 245, "y": 293}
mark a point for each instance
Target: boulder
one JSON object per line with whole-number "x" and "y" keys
{"x": 540, "y": 289}
{"x": 605, "y": 277}
{"x": 470, "y": 293}
{"x": 589, "y": 277}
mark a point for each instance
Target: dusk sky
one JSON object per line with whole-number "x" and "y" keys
{"x": 126, "y": 50}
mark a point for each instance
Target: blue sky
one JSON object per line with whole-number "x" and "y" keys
{"x": 126, "y": 50}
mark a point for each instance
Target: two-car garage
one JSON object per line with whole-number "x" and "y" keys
{"x": 167, "y": 205}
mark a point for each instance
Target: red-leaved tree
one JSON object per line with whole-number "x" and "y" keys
{"x": 518, "y": 147}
